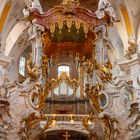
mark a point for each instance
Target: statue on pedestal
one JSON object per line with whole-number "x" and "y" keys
{"x": 34, "y": 32}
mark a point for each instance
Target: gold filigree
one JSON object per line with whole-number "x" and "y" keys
{"x": 109, "y": 127}
{"x": 70, "y": 2}
{"x": 77, "y": 25}
{"x": 47, "y": 125}
{"x": 131, "y": 49}
{"x": 32, "y": 71}
{"x": 42, "y": 99}
{"x": 92, "y": 65}
{"x": 92, "y": 93}
{"x": 30, "y": 120}
{"x": 69, "y": 24}
{"x": 52, "y": 28}
{"x": 60, "y": 26}
{"x": 85, "y": 122}
{"x": 45, "y": 65}
{"x": 105, "y": 72}
{"x": 106, "y": 122}
{"x": 73, "y": 83}
{"x": 86, "y": 29}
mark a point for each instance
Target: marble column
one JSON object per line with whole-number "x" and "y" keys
{"x": 81, "y": 79}
{"x": 138, "y": 46}
{"x": 78, "y": 108}
{"x": 2, "y": 71}
{"x": 39, "y": 52}
{"x": 85, "y": 107}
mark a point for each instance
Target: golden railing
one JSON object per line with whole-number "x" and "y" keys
{"x": 65, "y": 117}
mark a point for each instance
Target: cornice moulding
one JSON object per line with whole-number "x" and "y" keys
{"x": 5, "y": 60}
{"x": 129, "y": 63}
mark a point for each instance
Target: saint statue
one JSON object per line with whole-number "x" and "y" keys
{"x": 105, "y": 7}
{"x": 34, "y": 32}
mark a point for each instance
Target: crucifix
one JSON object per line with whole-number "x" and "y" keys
{"x": 66, "y": 135}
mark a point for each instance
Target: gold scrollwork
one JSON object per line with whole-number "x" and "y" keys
{"x": 32, "y": 71}
{"x": 131, "y": 49}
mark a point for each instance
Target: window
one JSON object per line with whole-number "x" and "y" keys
{"x": 22, "y": 66}
{"x": 62, "y": 69}
{"x": 103, "y": 99}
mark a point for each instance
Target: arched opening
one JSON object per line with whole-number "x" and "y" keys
{"x": 13, "y": 36}
{"x": 63, "y": 69}
{"x": 22, "y": 64}
{"x": 64, "y": 135}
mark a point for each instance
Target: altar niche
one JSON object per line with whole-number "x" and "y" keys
{"x": 64, "y": 135}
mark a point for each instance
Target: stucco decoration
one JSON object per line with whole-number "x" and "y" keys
{"x": 116, "y": 42}
{"x": 105, "y": 7}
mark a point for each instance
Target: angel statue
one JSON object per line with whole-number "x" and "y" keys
{"x": 34, "y": 4}
{"x": 105, "y": 7}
